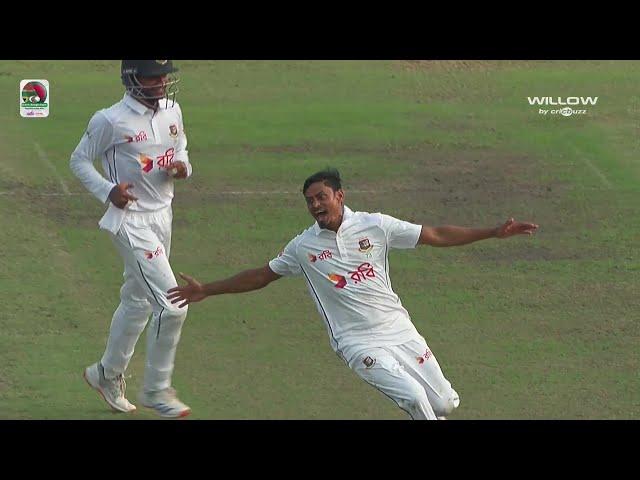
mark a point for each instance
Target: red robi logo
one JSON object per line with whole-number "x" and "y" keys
{"x": 151, "y": 255}
{"x": 146, "y": 163}
{"x": 140, "y": 137}
{"x": 425, "y": 356}
{"x": 164, "y": 161}
{"x": 340, "y": 281}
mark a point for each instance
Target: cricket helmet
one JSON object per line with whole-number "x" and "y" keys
{"x": 132, "y": 70}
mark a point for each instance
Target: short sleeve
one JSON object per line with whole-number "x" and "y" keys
{"x": 400, "y": 234}
{"x": 286, "y": 263}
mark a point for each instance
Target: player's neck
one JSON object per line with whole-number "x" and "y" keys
{"x": 152, "y": 104}
{"x": 336, "y": 226}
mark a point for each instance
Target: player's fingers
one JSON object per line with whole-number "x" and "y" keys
{"x": 186, "y": 302}
{"x": 188, "y": 278}
{"x": 127, "y": 186}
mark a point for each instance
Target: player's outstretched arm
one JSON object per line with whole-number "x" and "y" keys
{"x": 245, "y": 281}
{"x": 450, "y": 235}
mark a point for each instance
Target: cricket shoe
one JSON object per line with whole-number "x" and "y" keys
{"x": 165, "y": 403}
{"x": 110, "y": 389}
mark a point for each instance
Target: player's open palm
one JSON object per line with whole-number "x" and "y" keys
{"x": 511, "y": 227}
{"x": 190, "y": 293}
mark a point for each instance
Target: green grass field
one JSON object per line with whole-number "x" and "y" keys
{"x": 526, "y": 328}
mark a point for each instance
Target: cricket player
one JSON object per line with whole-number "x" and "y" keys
{"x": 343, "y": 258}
{"x": 143, "y": 148}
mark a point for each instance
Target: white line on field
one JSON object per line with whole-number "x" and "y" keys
{"x": 597, "y": 171}
{"x": 43, "y": 156}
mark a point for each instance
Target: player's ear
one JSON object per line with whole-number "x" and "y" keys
{"x": 340, "y": 194}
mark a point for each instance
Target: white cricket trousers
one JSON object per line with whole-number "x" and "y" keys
{"x": 144, "y": 242}
{"x": 409, "y": 374}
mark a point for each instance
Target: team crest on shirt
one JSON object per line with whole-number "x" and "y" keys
{"x": 312, "y": 258}
{"x": 369, "y": 362}
{"x": 365, "y": 246}
{"x": 173, "y": 131}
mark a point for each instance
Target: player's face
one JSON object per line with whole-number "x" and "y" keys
{"x": 154, "y": 86}
{"x": 324, "y": 204}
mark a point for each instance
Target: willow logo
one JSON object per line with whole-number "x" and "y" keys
{"x": 34, "y": 98}
{"x": 565, "y": 105}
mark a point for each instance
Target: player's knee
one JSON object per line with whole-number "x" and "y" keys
{"x": 137, "y": 308}
{"x": 446, "y": 404}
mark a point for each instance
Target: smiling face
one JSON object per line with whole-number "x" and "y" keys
{"x": 325, "y": 205}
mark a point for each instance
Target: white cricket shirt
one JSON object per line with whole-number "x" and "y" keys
{"x": 136, "y": 145}
{"x": 348, "y": 277}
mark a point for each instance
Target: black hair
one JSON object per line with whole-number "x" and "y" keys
{"x": 329, "y": 176}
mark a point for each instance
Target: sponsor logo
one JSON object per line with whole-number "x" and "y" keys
{"x": 146, "y": 163}
{"x": 364, "y": 271}
{"x": 165, "y": 160}
{"x": 365, "y": 245}
{"x": 140, "y": 137}
{"x": 339, "y": 280}
{"x": 425, "y": 356}
{"x": 325, "y": 254}
{"x": 369, "y": 362}
{"x": 152, "y": 255}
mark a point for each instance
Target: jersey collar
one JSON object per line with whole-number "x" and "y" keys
{"x": 135, "y": 105}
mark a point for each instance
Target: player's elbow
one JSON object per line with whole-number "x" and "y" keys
{"x": 431, "y": 236}
{"x": 434, "y": 240}
{"x": 75, "y": 162}
{"x": 267, "y": 276}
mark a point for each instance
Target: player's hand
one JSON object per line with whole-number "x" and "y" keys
{"x": 120, "y": 196}
{"x": 180, "y": 169}
{"x": 511, "y": 227}
{"x": 190, "y": 293}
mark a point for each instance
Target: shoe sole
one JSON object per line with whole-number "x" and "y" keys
{"x": 184, "y": 413}
{"x": 97, "y": 389}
